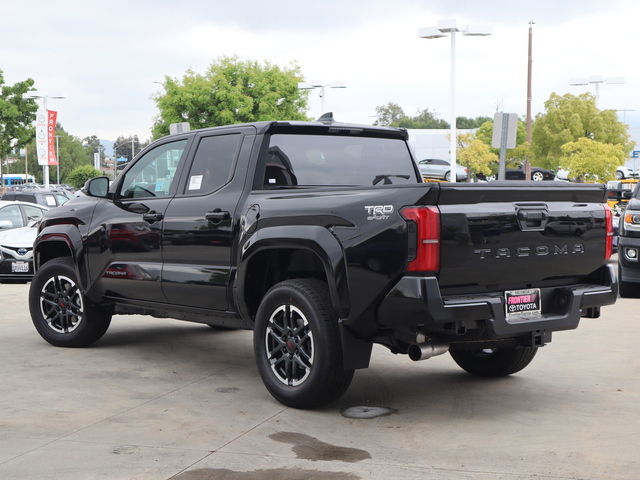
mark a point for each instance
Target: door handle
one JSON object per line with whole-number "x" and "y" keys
{"x": 217, "y": 216}
{"x": 152, "y": 217}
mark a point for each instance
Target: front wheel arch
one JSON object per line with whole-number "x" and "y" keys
{"x": 60, "y": 311}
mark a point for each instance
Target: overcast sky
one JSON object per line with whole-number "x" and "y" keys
{"x": 105, "y": 56}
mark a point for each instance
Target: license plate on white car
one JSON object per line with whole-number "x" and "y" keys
{"x": 522, "y": 303}
{"x": 20, "y": 267}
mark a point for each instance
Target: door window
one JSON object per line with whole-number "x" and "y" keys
{"x": 12, "y": 215}
{"x": 154, "y": 173}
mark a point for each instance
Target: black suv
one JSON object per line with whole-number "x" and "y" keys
{"x": 48, "y": 198}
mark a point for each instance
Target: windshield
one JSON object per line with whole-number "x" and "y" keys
{"x": 299, "y": 160}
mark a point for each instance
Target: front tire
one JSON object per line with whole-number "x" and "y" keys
{"x": 494, "y": 362}
{"x": 537, "y": 176}
{"x": 297, "y": 345}
{"x": 61, "y": 313}
{"x": 447, "y": 176}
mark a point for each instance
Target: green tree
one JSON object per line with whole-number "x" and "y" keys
{"x": 471, "y": 123}
{"x": 569, "y": 118}
{"x": 388, "y": 114}
{"x": 79, "y": 176}
{"x": 588, "y": 158}
{"x": 128, "y": 147}
{"x": 515, "y": 156}
{"x": 474, "y": 154}
{"x": 71, "y": 153}
{"x": 231, "y": 91}
{"x": 16, "y": 116}
{"x": 424, "y": 119}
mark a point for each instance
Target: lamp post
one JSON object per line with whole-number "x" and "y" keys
{"x": 44, "y": 97}
{"x": 319, "y": 84}
{"x": 597, "y": 80}
{"x": 450, "y": 28}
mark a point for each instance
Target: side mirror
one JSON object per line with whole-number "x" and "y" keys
{"x": 5, "y": 224}
{"x": 96, "y": 187}
{"x": 627, "y": 194}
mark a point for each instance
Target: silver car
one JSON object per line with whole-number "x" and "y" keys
{"x": 441, "y": 169}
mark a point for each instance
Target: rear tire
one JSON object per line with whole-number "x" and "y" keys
{"x": 297, "y": 345}
{"x": 447, "y": 176}
{"x": 61, "y": 313}
{"x": 494, "y": 362}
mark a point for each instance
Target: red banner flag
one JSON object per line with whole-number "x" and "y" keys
{"x": 51, "y": 137}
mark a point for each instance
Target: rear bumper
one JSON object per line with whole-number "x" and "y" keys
{"x": 416, "y": 302}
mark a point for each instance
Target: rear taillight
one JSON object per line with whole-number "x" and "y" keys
{"x": 608, "y": 246}
{"x": 424, "y": 238}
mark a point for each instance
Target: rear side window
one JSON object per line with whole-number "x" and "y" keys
{"x": 336, "y": 160}
{"x": 49, "y": 200}
{"x": 213, "y": 163}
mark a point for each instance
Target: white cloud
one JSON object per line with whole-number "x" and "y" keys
{"x": 105, "y": 60}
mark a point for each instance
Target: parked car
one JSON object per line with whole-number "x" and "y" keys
{"x": 623, "y": 172}
{"x": 19, "y": 214}
{"x": 48, "y": 198}
{"x": 537, "y": 174}
{"x": 16, "y": 254}
{"x": 562, "y": 174}
{"x": 441, "y": 169}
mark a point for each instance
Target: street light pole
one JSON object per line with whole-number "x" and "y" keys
{"x": 444, "y": 28}
{"x": 596, "y": 80}
{"x": 319, "y": 84}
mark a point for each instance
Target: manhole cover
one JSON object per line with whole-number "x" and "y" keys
{"x": 366, "y": 412}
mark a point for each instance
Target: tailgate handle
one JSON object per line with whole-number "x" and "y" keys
{"x": 532, "y": 218}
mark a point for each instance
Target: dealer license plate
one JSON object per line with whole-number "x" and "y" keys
{"x": 20, "y": 267}
{"x": 522, "y": 303}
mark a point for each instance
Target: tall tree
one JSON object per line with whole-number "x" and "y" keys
{"x": 569, "y": 118}
{"x": 388, "y": 114}
{"x": 127, "y": 147}
{"x": 231, "y": 91}
{"x": 16, "y": 116}
{"x": 586, "y": 157}
{"x": 72, "y": 153}
{"x": 474, "y": 154}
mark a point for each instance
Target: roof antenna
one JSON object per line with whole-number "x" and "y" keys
{"x": 326, "y": 118}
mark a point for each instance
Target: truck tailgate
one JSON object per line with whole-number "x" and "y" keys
{"x": 525, "y": 232}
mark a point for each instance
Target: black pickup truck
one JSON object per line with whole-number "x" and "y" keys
{"x": 323, "y": 239}
{"x": 629, "y": 244}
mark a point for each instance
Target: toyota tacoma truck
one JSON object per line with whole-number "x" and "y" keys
{"x": 323, "y": 239}
{"x": 629, "y": 245}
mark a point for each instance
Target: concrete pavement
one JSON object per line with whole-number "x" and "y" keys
{"x": 161, "y": 399}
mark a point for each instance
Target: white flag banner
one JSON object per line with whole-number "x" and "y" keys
{"x": 42, "y": 143}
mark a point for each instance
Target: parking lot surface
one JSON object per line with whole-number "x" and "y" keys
{"x": 160, "y": 399}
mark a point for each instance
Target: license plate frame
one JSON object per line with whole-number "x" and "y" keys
{"x": 20, "y": 267}
{"x": 524, "y": 303}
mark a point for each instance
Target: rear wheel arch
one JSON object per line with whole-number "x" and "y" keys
{"x": 275, "y": 255}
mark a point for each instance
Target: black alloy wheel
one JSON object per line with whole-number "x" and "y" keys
{"x": 61, "y": 313}
{"x": 297, "y": 345}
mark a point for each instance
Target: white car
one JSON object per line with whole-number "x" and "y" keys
{"x": 562, "y": 174}
{"x": 441, "y": 169}
{"x": 623, "y": 172}
{"x": 16, "y": 254}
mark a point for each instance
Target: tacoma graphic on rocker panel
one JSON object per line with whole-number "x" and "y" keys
{"x": 323, "y": 239}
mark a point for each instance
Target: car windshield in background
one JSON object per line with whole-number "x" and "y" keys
{"x": 298, "y": 160}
